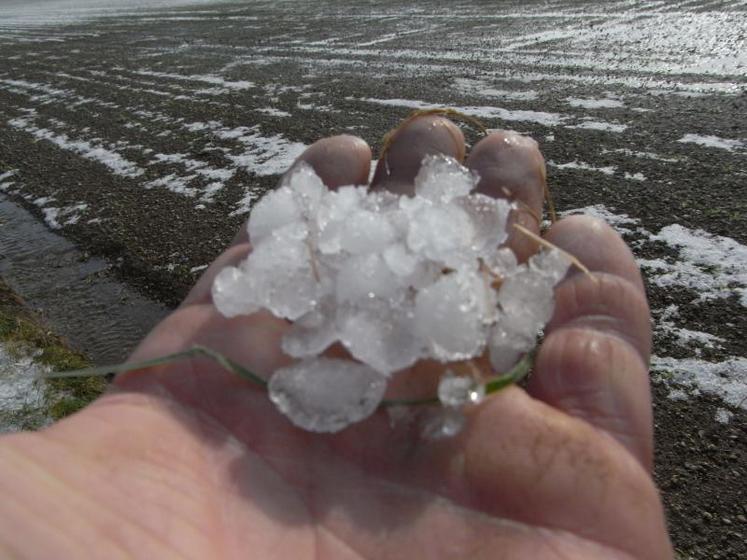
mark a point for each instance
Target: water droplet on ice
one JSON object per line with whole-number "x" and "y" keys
{"x": 445, "y": 422}
{"x": 459, "y": 391}
{"x": 326, "y": 395}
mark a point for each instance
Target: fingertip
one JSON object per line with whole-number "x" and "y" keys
{"x": 415, "y": 139}
{"x": 597, "y": 245}
{"x": 338, "y": 160}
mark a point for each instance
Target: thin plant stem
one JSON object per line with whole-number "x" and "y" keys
{"x": 518, "y": 372}
{"x": 219, "y": 358}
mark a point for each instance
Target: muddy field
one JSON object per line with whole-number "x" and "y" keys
{"x": 144, "y": 136}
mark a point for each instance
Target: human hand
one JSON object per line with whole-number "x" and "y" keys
{"x": 189, "y": 461}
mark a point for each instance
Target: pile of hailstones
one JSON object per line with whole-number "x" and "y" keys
{"x": 394, "y": 279}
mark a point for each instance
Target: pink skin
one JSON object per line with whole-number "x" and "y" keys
{"x": 187, "y": 461}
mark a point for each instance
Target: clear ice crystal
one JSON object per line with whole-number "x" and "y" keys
{"x": 364, "y": 277}
{"x": 444, "y": 423}
{"x": 441, "y": 233}
{"x": 326, "y": 395}
{"x": 442, "y": 179}
{"x": 449, "y": 315}
{"x": 552, "y": 264}
{"x": 232, "y": 292}
{"x": 489, "y": 217}
{"x": 381, "y": 334}
{"x": 366, "y": 232}
{"x": 459, "y": 391}
{"x": 505, "y": 347}
{"x": 283, "y": 277}
{"x": 276, "y": 209}
{"x": 311, "y": 334}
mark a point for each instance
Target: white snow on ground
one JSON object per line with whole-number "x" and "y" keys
{"x": 21, "y": 390}
{"x": 723, "y": 416}
{"x": 599, "y": 125}
{"x": 635, "y": 176}
{"x": 727, "y": 379}
{"x": 644, "y": 155}
{"x": 273, "y": 112}
{"x": 605, "y": 103}
{"x": 208, "y": 79}
{"x": 92, "y": 150}
{"x": 727, "y": 144}
{"x": 713, "y": 265}
{"x": 608, "y": 170}
{"x": 539, "y": 117}
{"x": 68, "y": 215}
{"x": 482, "y": 88}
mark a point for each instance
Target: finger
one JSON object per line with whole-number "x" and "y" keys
{"x": 338, "y": 161}
{"x": 593, "y": 363}
{"x": 417, "y": 138}
{"x": 511, "y": 166}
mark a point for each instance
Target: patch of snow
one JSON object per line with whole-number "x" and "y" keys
{"x": 538, "y": 117}
{"x": 208, "y": 79}
{"x": 605, "y": 103}
{"x": 21, "y": 391}
{"x": 730, "y": 145}
{"x": 599, "y": 125}
{"x": 583, "y": 166}
{"x": 727, "y": 379}
{"x": 712, "y": 265}
{"x": 91, "y": 150}
{"x": 724, "y": 416}
{"x": 635, "y": 176}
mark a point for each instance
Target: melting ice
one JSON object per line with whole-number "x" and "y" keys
{"x": 392, "y": 279}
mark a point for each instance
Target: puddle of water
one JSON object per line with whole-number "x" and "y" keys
{"x": 79, "y": 298}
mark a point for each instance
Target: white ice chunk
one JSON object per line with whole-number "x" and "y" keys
{"x": 553, "y": 264}
{"x": 311, "y": 334}
{"x": 441, "y": 233}
{"x": 459, "y": 391}
{"x": 501, "y": 263}
{"x": 489, "y": 218}
{"x": 505, "y": 347}
{"x": 308, "y": 188}
{"x": 332, "y": 216}
{"x": 527, "y": 300}
{"x": 400, "y": 261}
{"x": 366, "y": 232}
{"x": 450, "y": 314}
{"x": 364, "y": 277}
{"x": 381, "y": 334}
{"x": 275, "y": 210}
{"x": 233, "y": 293}
{"x": 442, "y": 179}
{"x": 326, "y": 395}
{"x": 283, "y": 277}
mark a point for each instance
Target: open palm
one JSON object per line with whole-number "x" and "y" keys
{"x": 189, "y": 461}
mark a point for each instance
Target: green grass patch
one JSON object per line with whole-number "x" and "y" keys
{"x": 22, "y": 333}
